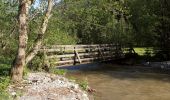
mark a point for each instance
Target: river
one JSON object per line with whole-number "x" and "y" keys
{"x": 122, "y": 82}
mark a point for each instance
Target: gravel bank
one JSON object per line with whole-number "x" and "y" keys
{"x": 44, "y": 86}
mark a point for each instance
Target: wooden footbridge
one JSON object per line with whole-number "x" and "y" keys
{"x": 62, "y": 55}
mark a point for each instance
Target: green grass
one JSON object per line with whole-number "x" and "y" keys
{"x": 58, "y": 71}
{"x": 142, "y": 51}
{"x": 83, "y": 84}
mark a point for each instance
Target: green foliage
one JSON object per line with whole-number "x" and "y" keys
{"x": 4, "y": 82}
{"x": 144, "y": 50}
{"x": 83, "y": 85}
{"x": 37, "y": 63}
{"x": 143, "y": 21}
{"x": 140, "y": 22}
{"x": 26, "y": 71}
{"x": 5, "y": 96}
{"x": 5, "y": 62}
{"x": 94, "y": 21}
{"x": 58, "y": 71}
{"x": 7, "y": 28}
{"x": 71, "y": 78}
{"x": 56, "y": 36}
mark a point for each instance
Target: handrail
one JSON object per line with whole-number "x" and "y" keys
{"x": 77, "y": 54}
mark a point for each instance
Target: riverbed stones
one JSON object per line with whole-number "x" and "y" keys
{"x": 45, "y": 86}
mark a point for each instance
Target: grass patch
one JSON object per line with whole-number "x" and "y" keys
{"x": 58, "y": 71}
{"x": 4, "y": 82}
{"x": 141, "y": 51}
{"x": 144, "y": 51}
{"x": 83, "y": 84}
{"x": 71, "y": 78}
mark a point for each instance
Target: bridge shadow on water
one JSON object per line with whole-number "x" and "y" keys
{"x": 119, "y": 71}
{"x": 82, "y": 67}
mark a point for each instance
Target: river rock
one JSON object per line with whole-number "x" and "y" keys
{"x": 162, "y": 65}
{"x": 45, "y": 86}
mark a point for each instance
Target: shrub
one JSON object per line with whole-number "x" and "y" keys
{"x": 37, "y": 62}
{"x": 83, "y": 84}
{"x": 4, "y": 82}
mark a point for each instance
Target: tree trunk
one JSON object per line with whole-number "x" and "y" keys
{"x": 19, "y": 62}
{"x": 40, "y": 36}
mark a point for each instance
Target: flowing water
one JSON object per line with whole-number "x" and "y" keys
{"x": 119, "y": 82}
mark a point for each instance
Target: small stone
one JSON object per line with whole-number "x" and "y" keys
{"x": 20, "y": 87}
{"x": 13, "y": 93}
{"x": 45, "y": 86}
{"x": 34, "y": 81}
{"x": 76, "y": 86}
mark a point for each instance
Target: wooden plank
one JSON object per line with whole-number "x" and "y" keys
{"x": 72, "y": 61}
{"x": 82, "y": 60}
{"x": 78, "y": 56}
{"x": 63, "y": 65}
{"x": 80, "y": 46}
{"x": 60, "y": 56}
{"x": 67, "y": 61}
{"x": 50, "y": 50}
{"x": 70, "y": 64}
{"x": 72, "y": 55}
{"x": 90, "y": 59}
{"x": 81, "y": 53}
{"x": 77, "y": 46}
{"x": 78, "y": 49}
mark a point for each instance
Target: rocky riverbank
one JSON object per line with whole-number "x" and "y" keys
{"x": 162, "y": 65}
{"x": 44, "y": 86}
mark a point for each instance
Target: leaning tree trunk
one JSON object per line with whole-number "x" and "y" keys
{"x": 19, "y": 62}
{"x": 40, "y": 36}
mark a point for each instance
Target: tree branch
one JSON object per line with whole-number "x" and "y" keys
{"x": 38, "y": 41}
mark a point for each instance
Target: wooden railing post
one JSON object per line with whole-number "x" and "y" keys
{"x": 74, "y": 56}
{"x": 77, "y": 55}
{"x": 46, "y": 64}
{"x": 64, "y": 50}
{"x": 100, "y": 52}
{"x": 117, "y": 51}
{"x": 44, "y": 54}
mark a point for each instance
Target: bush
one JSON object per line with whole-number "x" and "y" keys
{"x": 37, "y": 62}
{"x": 4, "y": 82}
{"x": 4, "y": 76}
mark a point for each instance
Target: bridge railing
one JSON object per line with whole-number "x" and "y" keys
{"x": 77, "y": 54}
